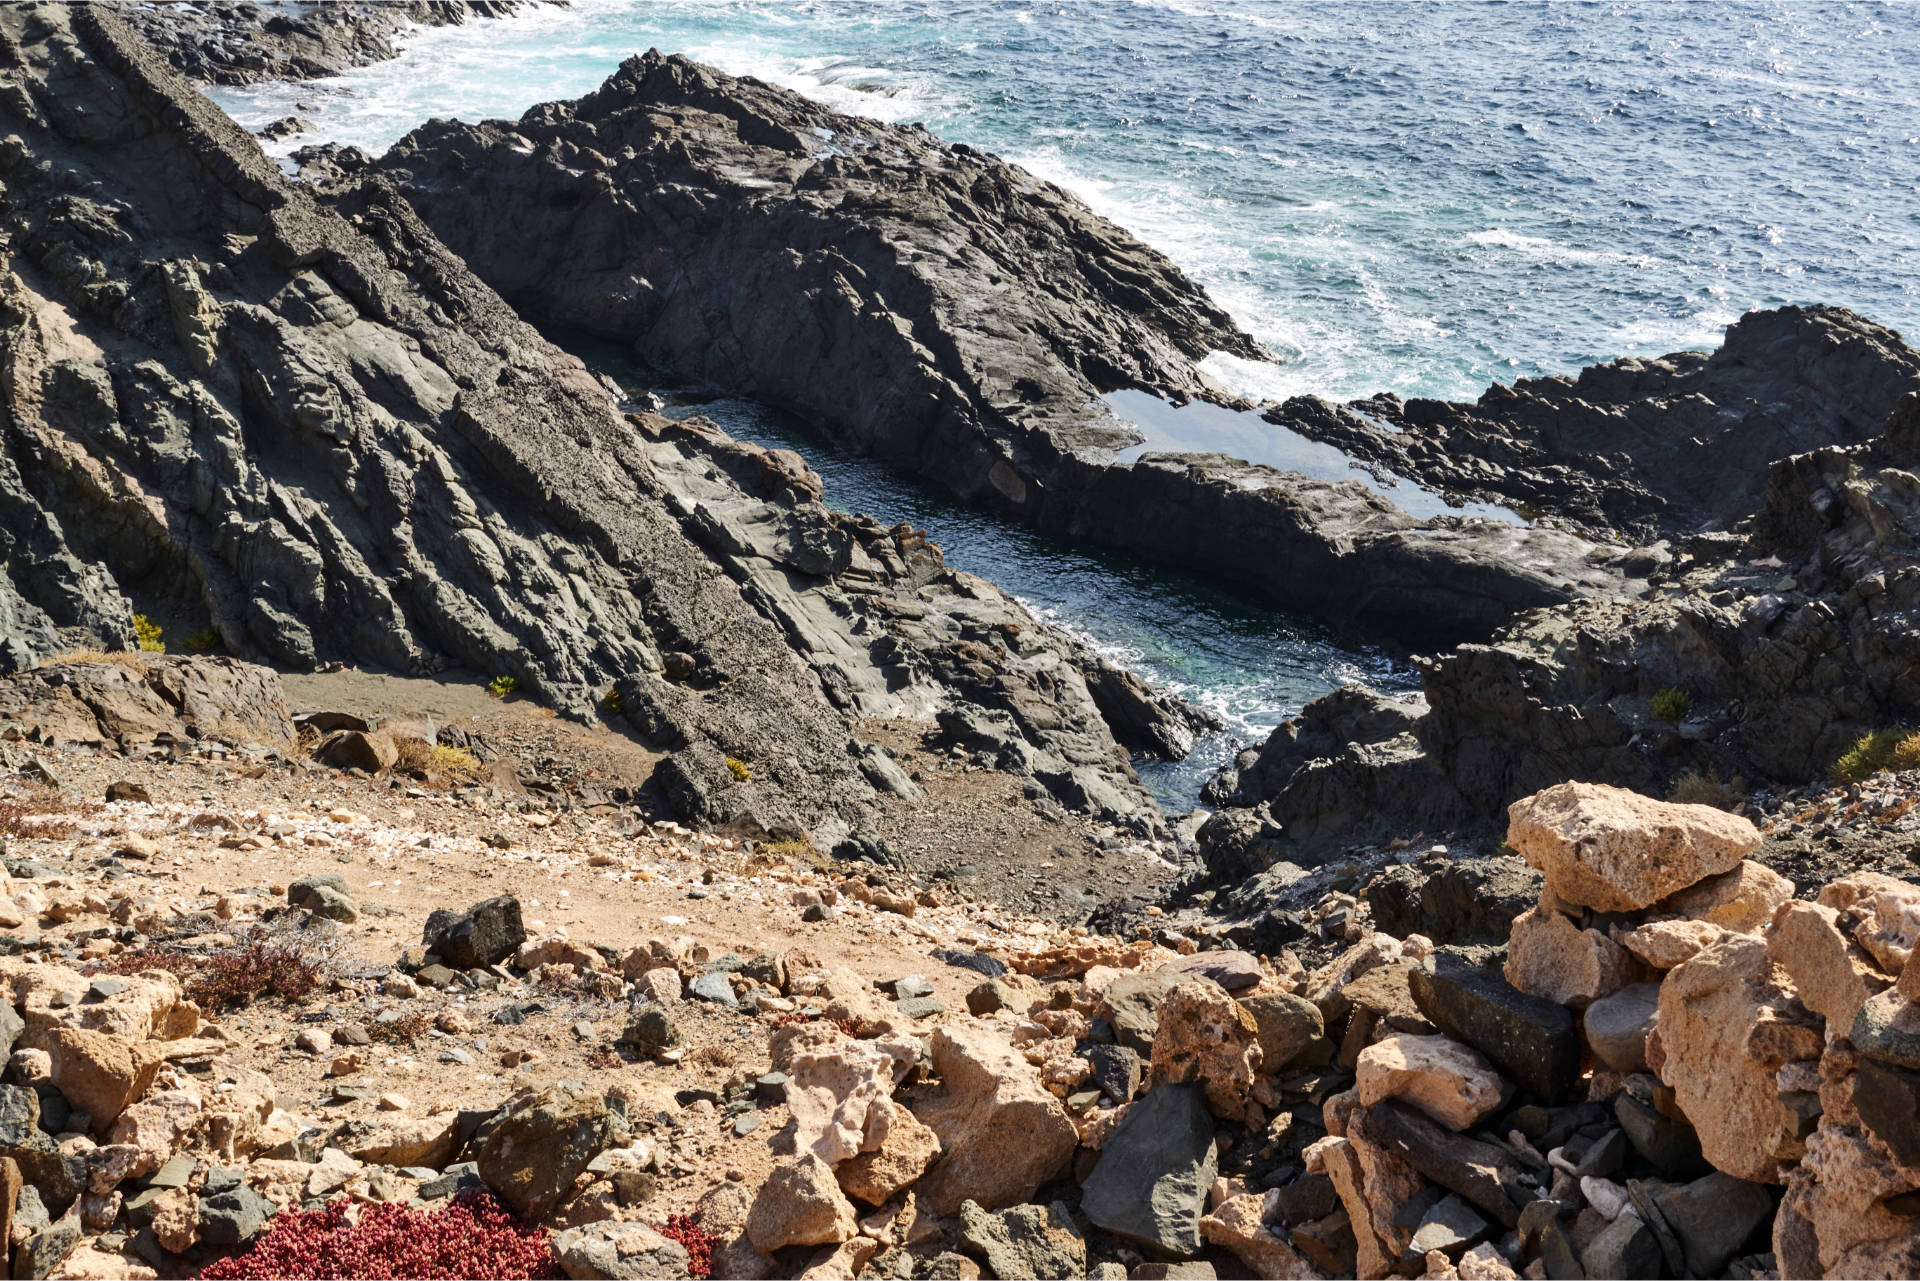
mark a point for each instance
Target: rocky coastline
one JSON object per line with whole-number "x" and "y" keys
{"x": 695, "y": 879}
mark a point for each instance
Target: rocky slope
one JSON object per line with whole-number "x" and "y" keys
{"x": 238, "y": 42}
{"x": 943, "y": 310}
{"x": 303, "y": 430}
{"x": 1644, "y": 448}
{"x": 262, "y": 1017}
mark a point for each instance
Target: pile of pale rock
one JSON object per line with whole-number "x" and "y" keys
{"x": 1675, "y": 1069}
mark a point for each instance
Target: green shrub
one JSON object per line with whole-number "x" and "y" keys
{"x": 1671, "y": 704}
{"x": 738, "y": 768}
{"x": 1883, "y": 749}
{"x": 146, "y": 633}
{"x": 501, "y": 686}
{"x": 205, "y": 642}
{"x": 612, "y": 702}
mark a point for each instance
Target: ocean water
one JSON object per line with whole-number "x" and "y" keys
{"x": 1420, "y": 198}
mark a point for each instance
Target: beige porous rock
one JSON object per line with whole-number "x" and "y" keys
{"x": 1666, "y": 944}
{"x": 837, "y": 1095}
{"x": 1548, "y": 955}
{"x": 800, "y": 1204}
{"x": 1880, "y": 912}
{"x": 722, "y": 1211}
{"x": 1832, "y": 974}
{"x": 1742, "y": 900}
{"x": 1002, "y": 1133}
{"x": 1725, "y": 1030}
{"x": 1448, "y": 1081}
{"x": 157, "y": 1127}
{"x": 903, "y": 1156}
{"x": 1239, "y": 1224}
{"x": 101, "y": 1074}
{"x": 1205, "y": 1035}
{"x": 1616, "y": 851}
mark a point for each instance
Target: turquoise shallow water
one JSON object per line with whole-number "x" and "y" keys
{"x": 1412, "y": 197}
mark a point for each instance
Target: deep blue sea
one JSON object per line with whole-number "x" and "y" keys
{"x": 1417, "y": 197}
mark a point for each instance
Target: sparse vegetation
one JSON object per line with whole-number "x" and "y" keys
{"x": 473, "y": 1236}
{"x": 789, "y": 850}
{"x": 205, "y": 642}
{"x": 38, "y": 813}
{"x": 1883, "y": 749}
{"x": 124, "y": 657}
{"x": 262, "y": 964}
{"x": 417, "y": 756}
{"x": 501, "y": 686}
{"x": 698, "y": 1242}
{"x": 146, "y": 633}
{"x": 738, "y": 768}
{"x": 1671, "y": 704}
{"x": 1695, "y": 788}
{"x": 405, "y": 1030}
{"x": 611, "y": 702}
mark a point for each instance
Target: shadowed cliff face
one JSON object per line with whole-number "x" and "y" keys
{"x": 306, "y": 423}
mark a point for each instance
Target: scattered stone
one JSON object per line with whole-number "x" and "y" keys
{"x": 800, "y": 1204}
{"x": 1003, "y": 1134}
{"x": 713, "y": 987}
{"x": 234, "y": 1216}
{"x": 1025, "y": 1240}
{"x": 619, "y": 1251}
{"x": 543, "y": 1143}
{"x": 1116, "y": 1071}
{"x": 1441, "y": 1077}
{"x": 1617, "y": 1025}
{"x": 1548, "y": 955}
{"x": 1288, "y": 1025}
{"x": 1205, "y": 1035}
{"x": 906, "y": 1152}
{"x": 1233, "y": 970}
{"x": 1131, "y": 1003}
{"x": 1155, "y": 1170}
{"x": 128, "y": 790}
{"x": 1239, "y": 1224}
{"x": 485, "y": 934}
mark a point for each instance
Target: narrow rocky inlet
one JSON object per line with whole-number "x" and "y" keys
{"x": 462, "y": 820}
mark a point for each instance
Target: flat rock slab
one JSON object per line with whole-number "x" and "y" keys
{"x": 1616, "y": 851}
{"x": 1155, "y": 1171}
{"x": 1532, "y": 1040}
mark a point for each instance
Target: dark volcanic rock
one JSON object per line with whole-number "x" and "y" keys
{"x": 1652, "y": 448}
{"x": 302, "y": 421}
{"x": 1531, "y": 1039}
{"x": 1155, "y": 1170}
{"x": 942, "y": 310}
{"x": 485, "y": 934}
{"x": 237, "y": 42}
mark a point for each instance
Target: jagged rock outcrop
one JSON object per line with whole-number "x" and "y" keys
{"x": 238, "y": 42}
{"x": 1788, "y": 644}
{"x": 303, "y": 425}
{"x": 944, "y": 311}
{"x": 1650, "y": 448}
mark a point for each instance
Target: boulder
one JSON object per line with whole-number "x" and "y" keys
{"x": 619, "y": 1251}
{"x": 485, "y": 934}
{"x": 1002, "y": 1133}
{"x": 369, "y": 750}
{"x": 1441, "y": 1077}
{"x": 903, "y": 1156}
{"x": 1742, "y": 900}
{"x": 1287, "y": 1025}
{"x": 1024, "y": 1240}
{"x": 99, "y": 1074}
{"x": 1239, "y": 1225}
{"x": 1725, "y": 1031}
{"x": 651, "y": 1031}
{"x": 1233, "y": 970}
{"x": 1616, "y": 1026}
{"x": 800, "y": 1204}
{"x": 1155, "y": 1170}
{"x": 838, "y": 1095}
{"x": 1713, "y": 1217}
{"x": 1532, "y": 1041}
{"x": 1832, "y": 975}
{"x": 543, "y": 1143}
{"x": 419, "y": 1141}
{"x": 1548, "y": 955}
{"x": 1616, "y": 851}
{"x": 1888, "y": 911}
{"x": 1205, "y": 1035}
{"x": 1666, "y": 944}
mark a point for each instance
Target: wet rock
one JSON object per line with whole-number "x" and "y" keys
{"x": 800, "y": 1204}
{"x": 543, "y": 1143}
{"x": 1155, "y": 1170}
{"x": 1444, "y": 1079}
{"x": 1531, "y": 1040}
{"x": 1616, "y": 1026}
{"x": 1614, "y": 850}
{"x": 485, "y": 934}
{"x": 1024, "y": 1240}
{"x": 1002, "y": 1133}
